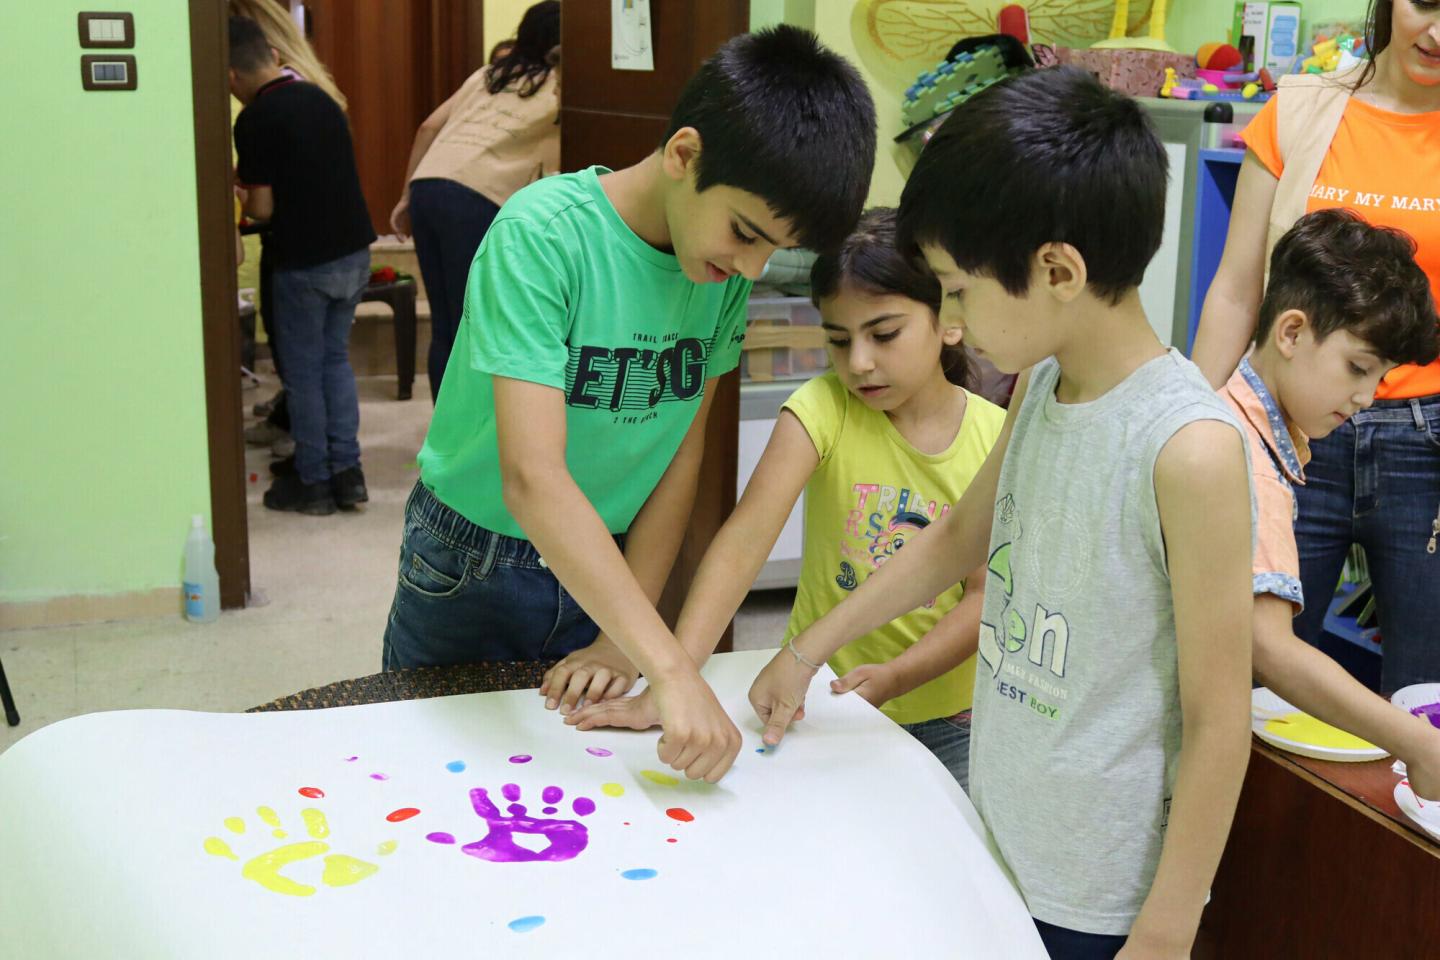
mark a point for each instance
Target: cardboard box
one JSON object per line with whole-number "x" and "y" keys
{"x": 1140, "y": 73}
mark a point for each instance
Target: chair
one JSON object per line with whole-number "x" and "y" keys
{"x": 12, "y": 716}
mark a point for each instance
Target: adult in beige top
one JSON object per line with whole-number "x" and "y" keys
{"x": 496, "y": 134}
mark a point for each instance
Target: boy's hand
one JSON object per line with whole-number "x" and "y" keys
{"x": 1423, "y": 769}
{"x": 600, "y": 671}
{"x": 699, "y": 737}
{"x": 876, "y": 682}
{"x": 1144, "y": 945}
{"x": 778, "y": 694}
{"x": 632, "y": 713}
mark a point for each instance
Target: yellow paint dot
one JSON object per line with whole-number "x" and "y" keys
{"x": 268, "y": 815}
{"x": 1304, "y": 728}
{"x": 664, "y": 779}
{"x": 387, "y": 848}
{"x": 235, "y": 824}
{"x": 612, "y": 789}
{"x": 315, "y": 823}
{"x": 265, "y": 869}
{"x": 218, "y": 847}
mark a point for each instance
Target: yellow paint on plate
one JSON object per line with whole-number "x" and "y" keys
{"x": 612, "y": 789}
{"x": 387, "y": 848}
{"x": 315, "y": 823}
{"x": 235, "y": 824}
{"x": 272, "y": 818}
{"x": 664, "y": 779}
{"x": 1303, "y": 728}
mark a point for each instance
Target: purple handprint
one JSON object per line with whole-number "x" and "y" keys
{"x": 567, "y": 838}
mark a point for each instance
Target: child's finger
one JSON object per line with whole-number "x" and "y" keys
{"x": 780, "y": 717}
{"x": 618, "y": 687}
{"x": 849, "y": 681}
{"x": 574, "y": 690}
{"x": 554, "y": 681}
{"x": 595, "y": 691}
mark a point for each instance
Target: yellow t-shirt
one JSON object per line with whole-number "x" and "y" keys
{"x": 871, "y": 492}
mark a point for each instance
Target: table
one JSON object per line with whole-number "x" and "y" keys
{"x": 400, "y": 295}
{"x": 1322, "y": 863}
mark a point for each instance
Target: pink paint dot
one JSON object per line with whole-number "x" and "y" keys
{"x": 671, "y": 840}
{"x": 598, "y": 752}
{"x": 379, "y": 776}
{"x": 404, "y": 813}
{"x": 314, "y": 793}
{"x": 439, "y": 838}
{"x": 627, "y": 823}
{"x": 680, "y": 813}
{"x": 521, "y": 758}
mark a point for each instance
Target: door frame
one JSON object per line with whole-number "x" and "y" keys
{"x": 219, "y": 305}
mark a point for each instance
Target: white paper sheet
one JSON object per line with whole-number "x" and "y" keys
{"x": 850, "y": 840}
{"x": 630, "y": 35}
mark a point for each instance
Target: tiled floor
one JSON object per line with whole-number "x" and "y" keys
{"x": 323, "y": 587}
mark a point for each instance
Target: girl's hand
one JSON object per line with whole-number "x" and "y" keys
{"x": 876, "y": 682}
{"x": 632, "y": 713}
{"x": 778, "y": 694}
{"x": 600, "y": 671}
{"x": 400, "y": 218}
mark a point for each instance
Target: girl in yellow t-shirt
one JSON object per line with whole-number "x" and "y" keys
{"x": 882, "y": 445}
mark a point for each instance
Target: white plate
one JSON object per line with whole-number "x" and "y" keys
{"x": 1416, "y": 695}
{"x": 1265, "y": 705}
{"x": 1426, "y": 813}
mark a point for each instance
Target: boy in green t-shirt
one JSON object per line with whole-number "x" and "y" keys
{"x": 562, "y": 461}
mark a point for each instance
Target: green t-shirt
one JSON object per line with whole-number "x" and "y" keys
{"x": 563, "y": 293}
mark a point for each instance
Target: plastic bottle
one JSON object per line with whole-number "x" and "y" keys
{"x": 202, "y": 584}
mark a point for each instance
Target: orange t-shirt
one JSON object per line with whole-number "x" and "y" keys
{"x": 1386, "y": 167}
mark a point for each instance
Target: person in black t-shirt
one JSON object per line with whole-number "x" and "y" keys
{"x": 297, "y": 168}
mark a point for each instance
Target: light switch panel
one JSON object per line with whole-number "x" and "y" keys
{"x": 107, "y": 72}
{"x": 113, "y": 30}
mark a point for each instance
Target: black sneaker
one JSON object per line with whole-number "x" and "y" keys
{"x": 289, "y": 493}
{"x": 283, "y": 468}
{"x": 348, "y": 486}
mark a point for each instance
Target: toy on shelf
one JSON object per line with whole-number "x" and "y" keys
{"x": 1121, "y": 23}
{"x": 1198, "y": 89}
{"x": 1013, "y": 20}
{"x": 1329, "y": 54}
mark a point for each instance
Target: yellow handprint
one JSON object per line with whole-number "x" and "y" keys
{"x": 341, "y": 870}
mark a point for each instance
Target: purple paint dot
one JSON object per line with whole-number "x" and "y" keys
{"x": 379, "y": 776}
{"x": 510, "y": 791}
{"x": 521, "y": 758}
{"x": 439, "y": 838}
{"x": 551, "y": 794}
{"x": 598, "y": 752}
{"x": 549, "y": 810}
{"x": 583, "y": 806}
{"x": 516, "y": 810}
{"x": 351, "y": 759}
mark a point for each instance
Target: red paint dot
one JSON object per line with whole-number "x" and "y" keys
{"x": 627, "y": 823}
{"x": 671, "y": 840}
{"x": 314, "y": 793}
{"x": 680, "y": 813}
{"x": 404, "y": 813}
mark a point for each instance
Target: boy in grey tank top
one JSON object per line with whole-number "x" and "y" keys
{"x": 1115, "y": 512}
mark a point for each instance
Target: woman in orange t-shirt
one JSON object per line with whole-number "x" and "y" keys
{"x": 1376, "y": 480}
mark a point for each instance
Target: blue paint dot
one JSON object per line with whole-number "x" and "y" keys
{"x": 455, "y": 766}
{"x": 526, "y": 924}
{"x": 760, "y": 750}
{"x": 642, "y": 873}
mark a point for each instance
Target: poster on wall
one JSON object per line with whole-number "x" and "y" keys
{"x": 630, "y": 37}
{"x": 481, "y": 825}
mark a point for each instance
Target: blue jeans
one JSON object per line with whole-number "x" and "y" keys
{"x": 466, "y": 594}
{"x": 1376, "y": 481}
{"x": 314, "y": 310}
{"x": 449, "y": 221}
{"x": 1063, "y": 943}
{"x": 949, "y": 739}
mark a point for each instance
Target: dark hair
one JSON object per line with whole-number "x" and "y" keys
{"x": 529, "y": 58}
{"x": 1345, "y": 274}
{"x": 1378, "y": 24}
{"x": 249, "y": 50}
{"x": 868, "y": 260}
{"x": 1046, "y": 156}
{"x": 786, "y": 119}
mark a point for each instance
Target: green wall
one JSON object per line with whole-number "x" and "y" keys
{"x": 102, "y": 407}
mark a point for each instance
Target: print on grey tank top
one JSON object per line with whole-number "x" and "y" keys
{"x": 1077, "y": 712}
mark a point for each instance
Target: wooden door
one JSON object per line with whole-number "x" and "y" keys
{"x": 395, "y": 61}
{"x": 617, "y": 118}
